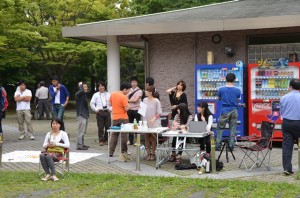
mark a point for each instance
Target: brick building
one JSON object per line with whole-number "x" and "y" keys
{"x": 176, "y": 41}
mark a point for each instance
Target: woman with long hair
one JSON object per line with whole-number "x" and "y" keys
{"x": 204, "y": 115}
{"x": 153, "y": 119}
{"x": 55, "y": 141}
{"x": 181, "y": 122}
{"x": 177, "y": 96}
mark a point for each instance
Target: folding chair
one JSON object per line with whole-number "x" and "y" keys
{"x": 62, "y": 166}
{"x": 258, "y": 150}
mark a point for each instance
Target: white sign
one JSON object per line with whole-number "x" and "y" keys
{"x": 34, "y": 156}
{"x": 143, "y": 108}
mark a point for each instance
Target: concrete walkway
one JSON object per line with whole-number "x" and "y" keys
{"x": 99, "y": 164}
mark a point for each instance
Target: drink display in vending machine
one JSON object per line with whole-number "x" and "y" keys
{"x": 268, "y": 82}
{"x": 208, "y": 80}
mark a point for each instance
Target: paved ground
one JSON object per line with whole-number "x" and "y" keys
{"x": 100, "y": 163}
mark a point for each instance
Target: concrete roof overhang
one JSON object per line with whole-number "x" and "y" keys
{"x": 228, "y": 16}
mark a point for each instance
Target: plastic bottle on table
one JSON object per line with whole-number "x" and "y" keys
{"x": 135, "y": 125}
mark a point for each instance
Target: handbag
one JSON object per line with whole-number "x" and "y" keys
{"x": 54, "y": 152}
{"x": 130, "y": 95}
{"x": 56, "y": 149}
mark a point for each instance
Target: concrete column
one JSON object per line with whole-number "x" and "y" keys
{"x": 113, "y": 64}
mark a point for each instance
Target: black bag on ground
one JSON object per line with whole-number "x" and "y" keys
{"x": 185, "y": 166}
{"x": 219, "y": 164}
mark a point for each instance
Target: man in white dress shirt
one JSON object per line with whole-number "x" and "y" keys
{"x": 23, "y": 98}
{"x": 101, "y": 106}
{"x": 42, "y": 94}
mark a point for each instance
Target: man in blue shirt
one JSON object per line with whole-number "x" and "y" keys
{"x": 229, "y": 96}
{"x": 60, "y": 98}
{"x": 289, "y": 110}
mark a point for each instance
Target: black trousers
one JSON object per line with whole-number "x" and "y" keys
{"x": 103, "y": 123}
{"x": 291, "y": 133}
{"x": 205, "y": 144}
{"x": 133, "y": 114}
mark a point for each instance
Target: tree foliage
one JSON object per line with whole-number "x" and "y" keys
{"x": 140, "y": 7}
{"x": 31, "y": 45}
{"x": 32, "y": 48}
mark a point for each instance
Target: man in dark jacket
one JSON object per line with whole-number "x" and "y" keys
{"x": 82, "y": 114}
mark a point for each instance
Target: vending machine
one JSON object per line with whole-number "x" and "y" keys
{"x": 268, "y": 82}
{"x": 208, "y": 79}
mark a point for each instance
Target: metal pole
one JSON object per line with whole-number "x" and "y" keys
{"x": 138, "y": 147}
{"x": 213, "y": 153}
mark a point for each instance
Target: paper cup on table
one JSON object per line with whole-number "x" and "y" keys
{"x": 128, "y": 126}
{"x": 145, "y": 123}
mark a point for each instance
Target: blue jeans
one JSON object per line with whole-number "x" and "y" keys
{"x": 58, "y": 112}
{"x": 230, "y": 117}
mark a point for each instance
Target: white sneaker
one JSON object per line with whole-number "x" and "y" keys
{"x": 21, "y": 137}
{"x": 31, "y": 137}
{"x": 46, "y": 178}
{"x": 54, "y": 178}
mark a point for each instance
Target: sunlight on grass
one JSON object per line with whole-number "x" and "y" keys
{"x": 112, "y": 185}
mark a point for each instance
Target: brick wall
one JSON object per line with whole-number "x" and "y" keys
{"x": 171, "y": 56}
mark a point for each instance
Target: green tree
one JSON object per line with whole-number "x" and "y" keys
{"x": 31, "y": 45}
{"x": 140, "y": 7}
{"x": 32, "y": 48}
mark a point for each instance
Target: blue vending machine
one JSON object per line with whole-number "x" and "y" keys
{"x": 208, "y": 79}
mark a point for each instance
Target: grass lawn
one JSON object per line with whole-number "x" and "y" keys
{"x": 17, "y": 184}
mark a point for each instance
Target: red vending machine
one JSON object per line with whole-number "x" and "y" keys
{"x": 268, "y": 82}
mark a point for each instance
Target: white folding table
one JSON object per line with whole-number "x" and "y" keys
{"x": 163, "y": 153}
{"x": 138, "y": 132}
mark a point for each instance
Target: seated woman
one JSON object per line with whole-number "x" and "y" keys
{"x": 204, "y": 115}
{"x": 55, "y": 140}
{"x": 153, "y": 119}
{"x": 181, "y": 122}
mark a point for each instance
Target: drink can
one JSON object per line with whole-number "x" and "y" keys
{"x": 207, "y": 167}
